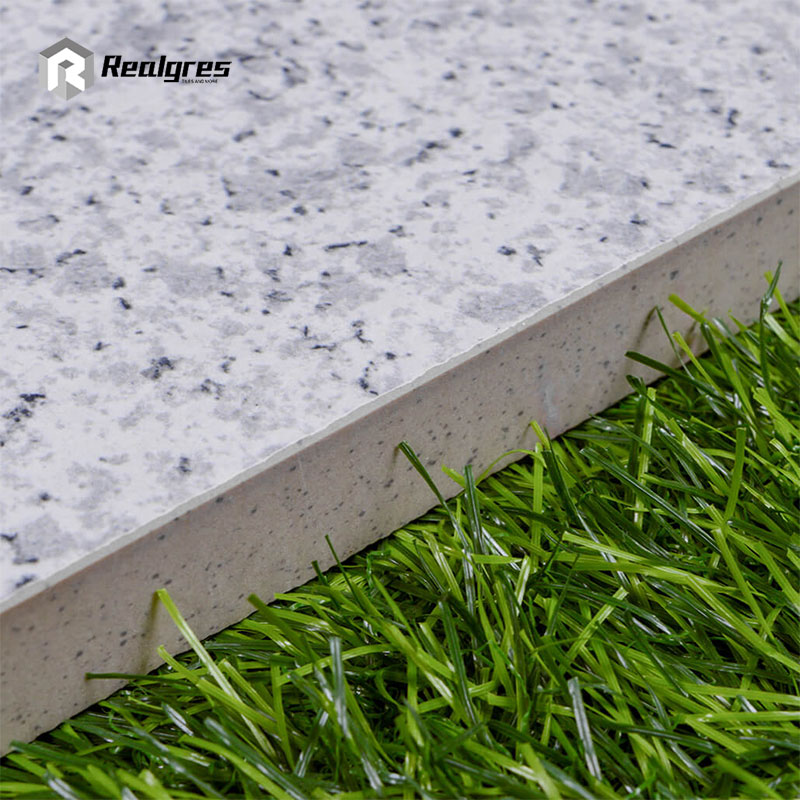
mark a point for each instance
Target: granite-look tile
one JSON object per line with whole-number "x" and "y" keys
{"x": 261, "y": 530}
{"x": 194, "y": 277}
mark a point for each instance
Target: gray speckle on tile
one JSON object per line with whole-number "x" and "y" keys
{"x": 195, "y": 276}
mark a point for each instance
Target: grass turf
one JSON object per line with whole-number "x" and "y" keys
{"x": 615, "y": 616}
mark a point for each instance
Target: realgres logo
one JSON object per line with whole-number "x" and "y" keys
{"x": 171, "y": 71}
{"x": 66, "y": 69}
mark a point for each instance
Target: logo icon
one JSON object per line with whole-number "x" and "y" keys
{"x": 66, "y": 68}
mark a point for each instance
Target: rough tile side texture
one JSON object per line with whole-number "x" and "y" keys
{"x": 195, "y": 276}
{"x": 261, "y": 533}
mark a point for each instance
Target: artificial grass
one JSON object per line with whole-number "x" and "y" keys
{"x": 615, "y": 616}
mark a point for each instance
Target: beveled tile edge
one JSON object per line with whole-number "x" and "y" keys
{"x": 260, "y": 530}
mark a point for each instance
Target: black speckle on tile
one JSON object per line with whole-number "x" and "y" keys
{"x": 17, "y": 414}
{"x": 119, "y": 282}
{"x": 125, "y": 303}
{"x": 32, "y": 397}
{"x": 67, "y": 256}
{"x": 157, "y": 367}
{"x": 637, "y": 220}
{"x": 359, "y": 334}
{"x": 242, "y": 135}
{"x": 184, "y": 465}
{"x": 651, "y": 139}
{"x": 279, "y": 296}
{"x": 23, "y": 580}
{"x": 100, "y": 346}
{"x": 390, "y": 356}
{"x": 673, "y": 274}
{"x": 259, "y": 96}
{"x": 338, "y": 245}
{"x": 536, "y": 253}
{"x": 26, "y": 190}
{"x": 505, "y": 250}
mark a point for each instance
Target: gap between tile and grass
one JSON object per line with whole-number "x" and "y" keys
{"x": 613, "y": 616}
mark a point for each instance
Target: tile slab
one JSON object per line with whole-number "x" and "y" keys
{"x": 241, "y": 296}
{"x": 261, "y": 530}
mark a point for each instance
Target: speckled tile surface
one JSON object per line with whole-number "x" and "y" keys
{"x": 195, "y": 276}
